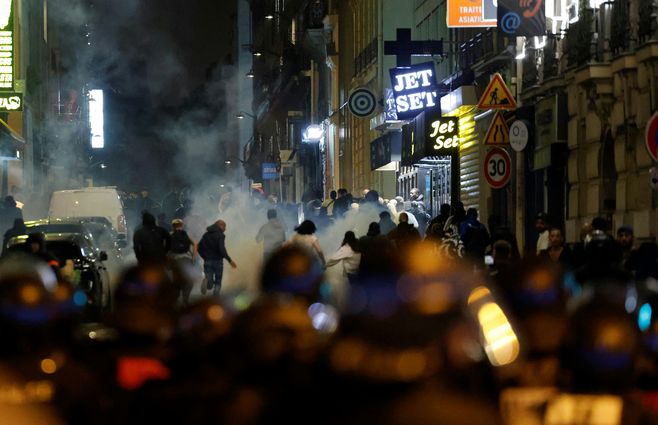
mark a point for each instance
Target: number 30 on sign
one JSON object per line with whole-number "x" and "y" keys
{"x": 497, "y": 168}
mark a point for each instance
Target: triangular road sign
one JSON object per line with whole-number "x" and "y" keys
{"x": 498, "y": 133}
{"x": 497, "y": 95}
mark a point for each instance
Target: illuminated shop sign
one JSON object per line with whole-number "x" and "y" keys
{"x": 11, "y": 102}
{"x": 429, "y": 135}
{"x": 6, "y": 46}
{"x": 269, "y": 171}
{"x": 443, "y": 134}
{"x": 97, "y": 119}
{"x": 415, "y": 89}
{"x": 471, "y": 13}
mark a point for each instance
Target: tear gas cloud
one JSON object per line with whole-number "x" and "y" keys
{"x": 197, "y": 138}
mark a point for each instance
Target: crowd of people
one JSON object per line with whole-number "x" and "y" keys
{"x": 429, "y": 333}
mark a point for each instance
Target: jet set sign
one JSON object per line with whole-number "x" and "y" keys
{"x": 443, "y": 134}
{"x": 414, "y": 89}
{"x": 6, "y": 46}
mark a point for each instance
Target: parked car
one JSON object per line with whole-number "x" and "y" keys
{"x": 75, "y": 242}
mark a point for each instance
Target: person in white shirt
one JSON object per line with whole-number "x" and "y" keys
{"x": 272, "y": 234}
{"x": 348, "y": 254}
{"x": 542, "y": 228}
{"x": 305, "y": 238}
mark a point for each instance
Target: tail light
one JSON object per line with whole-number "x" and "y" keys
{"x": 121, "y": 224}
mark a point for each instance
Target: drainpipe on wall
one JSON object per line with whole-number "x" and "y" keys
{"x": 520, "y": 171}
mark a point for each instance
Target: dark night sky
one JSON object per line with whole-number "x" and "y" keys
{"x": 178, "y": 39}
{"x": 201, "y": 30}
{"x": 157, "y": 52}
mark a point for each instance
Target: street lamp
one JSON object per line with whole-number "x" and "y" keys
{"x": 242, "y": 115}
{"x": 251, "y": 74}
{"x": 230, "y": 159}
{"x": 313, "y": 133}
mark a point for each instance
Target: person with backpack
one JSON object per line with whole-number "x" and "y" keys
{"x": 183, "y": 253}
{"x": 212, "y": 248}
{"x": 327, "y": 209}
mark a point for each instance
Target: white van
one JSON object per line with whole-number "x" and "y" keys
{"x": 90, "y": 202}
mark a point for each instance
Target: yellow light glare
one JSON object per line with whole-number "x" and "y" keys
{"x": 48, "y": 366}
{"x": 500, "y": 342}
{"x": 477, "y": 294}
{"x": 215, "y": 313}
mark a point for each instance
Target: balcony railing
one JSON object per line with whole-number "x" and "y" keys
{"x": 540, "y": 64}
{"x": 620, "y": 30}
{"x": 366, "y": 57}
{"x": 476, "y": 49}
{"x": 580, "y": 39}
{"x": 647, "y": 22}
{"x": 531, "y": 68}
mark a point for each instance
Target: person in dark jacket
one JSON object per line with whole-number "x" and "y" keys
{"x": 375, "y": 252}
{"x": 474, "y": 235}
{"x": 151, "y": 242}
{"x": 183, "y": 254}
{"x": 212, "y": 248}
{"x": 386, "y": 224}
{"x": 557, "y": 252}
{"x": 436, "y": 232}
{"x": 17, "y": 230}
{"x": 405, "y": 234}
{"x": 9, "y": 213}
{"x": 342, "y": 203}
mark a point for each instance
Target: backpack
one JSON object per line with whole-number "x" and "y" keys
{"x": 324, "y": 210}
{"x": 180, "y": 242}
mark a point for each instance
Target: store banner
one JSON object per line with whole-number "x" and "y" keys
{"x": 429, "y": 135}
{"x": 385, "y": 149}
{"x": 269, "y": 171}
{"x": 470, "y": 14}
{"x": 525, "y": 18}
{"x": 414, "y": 88}
{"x": 410, "y": 143}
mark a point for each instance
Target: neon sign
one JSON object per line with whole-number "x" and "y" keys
{"x": 11, "y": 102}
{"x": 415, "y": 89}
{"x": 444, "y": 133}
{"x": 96, "y": 119}
{"x": 6, "y": 46}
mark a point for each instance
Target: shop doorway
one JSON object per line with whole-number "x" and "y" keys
{"x": 437, "y": 173}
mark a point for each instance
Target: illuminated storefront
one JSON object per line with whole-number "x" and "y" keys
{"x": 441, "y": 153}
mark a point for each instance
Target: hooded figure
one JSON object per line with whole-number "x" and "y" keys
{"x": 212, "y": 248}
{"x": 151, "y": 242}
{"x": 9, "y": 213}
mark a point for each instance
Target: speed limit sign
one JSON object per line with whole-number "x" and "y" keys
{"x": 497, "y": 168}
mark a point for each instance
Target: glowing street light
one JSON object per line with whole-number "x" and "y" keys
{"x": 313, "y": 133}
{"x": 269, "y": 17}
{"x": 251, "y": 74}
{"x": 242, "y": 115}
